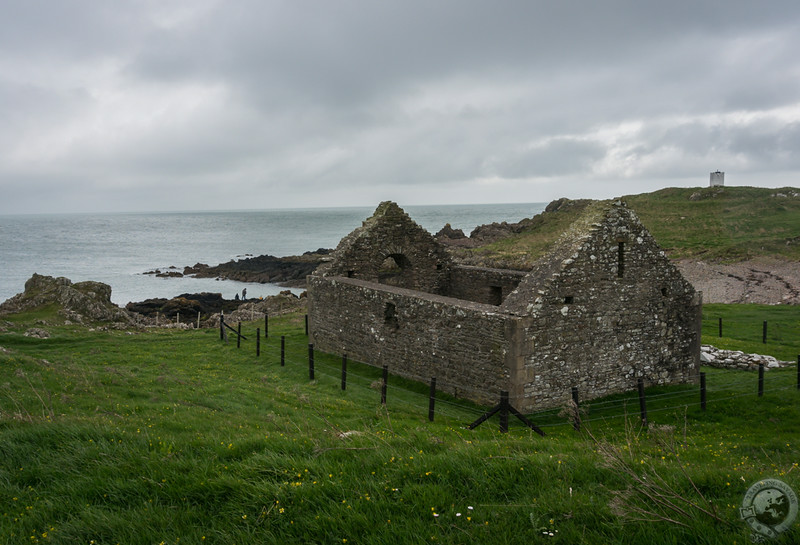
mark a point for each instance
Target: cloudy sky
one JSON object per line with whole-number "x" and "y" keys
{"x": 238, "y": 104}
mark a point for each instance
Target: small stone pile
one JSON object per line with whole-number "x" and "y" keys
{"x": 736, "y": 359}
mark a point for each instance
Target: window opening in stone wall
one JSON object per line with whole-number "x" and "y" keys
{"x": 495, "y": 295}
{"x": 391, "y": 265}
{"x": 620, "y": 259}
{"x": 390, "y": 316}
{"x": 568, "y": 300}
{"x": 393, "y": 269}
{"x": 350, "y": 274}
{"x": 664, "y": 292}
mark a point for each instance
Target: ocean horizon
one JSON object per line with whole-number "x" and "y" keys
{"x": 118, "y": 248}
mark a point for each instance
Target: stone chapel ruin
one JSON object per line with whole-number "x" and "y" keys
{"x": 600, "y": 309}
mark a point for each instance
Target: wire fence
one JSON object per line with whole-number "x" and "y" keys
{"x": 427, "y": 394}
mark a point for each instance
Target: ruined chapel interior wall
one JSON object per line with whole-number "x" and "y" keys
{"x": 482, "y": 285}
{"x": 601, "y": 332}
{"x": 462, "y": 344}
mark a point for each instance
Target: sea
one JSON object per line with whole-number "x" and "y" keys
{"x": 118, "y": 249}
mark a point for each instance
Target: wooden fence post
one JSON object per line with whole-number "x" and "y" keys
{"x": 761, "y": 379}
{"x": 764, "y": 333}
{"x": 504, "y": 407}
{"x": 283, "y": 350}
{"x": 310, "y": 362}
{"x": 504, "y": 411}
{"x": 266, "y": 325}
{"x": 383, "y": 384}
{"x": 221, "y": 325}
{"x": 258, "y": 341}
{"x": 239, "y": 335}
{"x": 432, "y": 399}
{"x": 576, "y": 417}
{"x": 344, "y": 371}
{"x": 198, "y": 319}
{"x": 720, "y": 327}
{"x": 642, "y": 402}
{"x": 702, "y": 391}
{"x": 306, "y": 325}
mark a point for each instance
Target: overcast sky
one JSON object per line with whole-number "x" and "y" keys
{"x": 235, "y": 104}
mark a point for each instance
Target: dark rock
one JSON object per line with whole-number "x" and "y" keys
{"x": 448, "y": 232}
{"x": 262, "y": 269}
{"x": 187, "y": 304}
{"x": 169, "y": 274}
{"x": 556, "y": 205}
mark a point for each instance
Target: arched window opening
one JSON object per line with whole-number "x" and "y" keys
{"x": 395, "y": 264}
{"x": 395, "y": 270}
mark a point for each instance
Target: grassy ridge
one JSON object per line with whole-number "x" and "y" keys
{"x": 176, "y": 437}
{"x": 728, "y": 224}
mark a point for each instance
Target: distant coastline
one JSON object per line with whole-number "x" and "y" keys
{"x": 117, "y": 249}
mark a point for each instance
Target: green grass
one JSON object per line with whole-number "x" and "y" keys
{"x": 729, "y": 223}
{"x": 539, "y": 235}
{"x": 743, "y": 328}
{"x": 175, "y": 437}
{"x": 721, "y": 224}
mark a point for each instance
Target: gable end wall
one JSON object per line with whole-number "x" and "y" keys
{"x": 601, "y": 332}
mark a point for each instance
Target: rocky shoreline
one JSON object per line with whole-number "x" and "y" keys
{"x": 764, "y": 280}
{"x": 290, "y": 271}
{"x": 89, "y": 303}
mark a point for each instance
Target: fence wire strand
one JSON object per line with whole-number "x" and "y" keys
{"x": 720, "y": 387}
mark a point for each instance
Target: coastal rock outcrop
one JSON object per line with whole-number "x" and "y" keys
{"x": 448, "y": 232}
{"x": 288, "y": 271}
{"x": 81, "y": 302}
{"x": 186, "y": 304}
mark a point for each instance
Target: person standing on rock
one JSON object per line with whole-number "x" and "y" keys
{"x": 244, "y": 294}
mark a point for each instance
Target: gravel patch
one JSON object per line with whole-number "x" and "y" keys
{"x": 764, "y": 281}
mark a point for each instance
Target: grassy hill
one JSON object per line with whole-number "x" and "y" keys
{"x": 726, "y": 223}
{"x": 721, "y": 223}
{"x": 175, "y": 437}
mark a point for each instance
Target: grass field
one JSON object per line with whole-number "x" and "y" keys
{"x": 743, "y": 329}
{"x": 175, "y": 437}
{"x": 725, "y": 223}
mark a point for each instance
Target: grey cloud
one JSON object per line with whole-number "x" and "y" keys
{"x": 292, "y": 99}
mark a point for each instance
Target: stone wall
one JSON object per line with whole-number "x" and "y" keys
{"x": 466, "y": 346}
{"x": 736, "y": 359}
{"x": 616, "y": 310}
{"x": 601, "y": 309}
{"x": 482, "y": 285}
{"x": 390, "y": 248}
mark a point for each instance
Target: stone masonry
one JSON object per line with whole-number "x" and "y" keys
{"x": 600, "y": 309}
